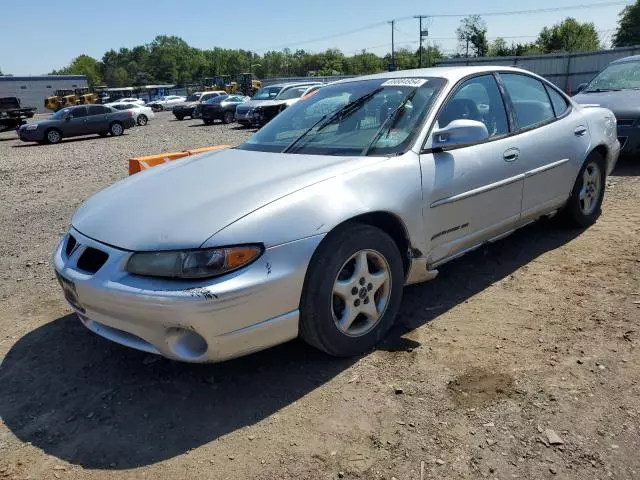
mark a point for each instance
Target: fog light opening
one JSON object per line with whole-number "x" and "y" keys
{"x": 186, "y": 344}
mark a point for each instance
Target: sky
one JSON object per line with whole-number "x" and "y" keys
{"x": 33, "y": 43}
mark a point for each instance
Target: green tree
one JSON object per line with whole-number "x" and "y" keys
{"x": 569, "y": 36}
{"x": 499, "y": 48}
{"x": 628, "y": 32}
{"x": 472, "y": 36}
{"x": 83, "y": 65}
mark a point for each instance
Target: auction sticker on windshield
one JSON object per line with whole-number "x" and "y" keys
{"x": 404, "y": 82}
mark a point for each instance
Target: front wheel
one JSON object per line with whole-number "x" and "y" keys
{"x": 116, "y": 129}
{"x": 352, "y": 291}
{"x": 142, "y": 120}
{"x": 53, "y": 136}
{"x": 584, "y": 205}
{"x": 228, "y": 117}
{"x": 180, "y": 117}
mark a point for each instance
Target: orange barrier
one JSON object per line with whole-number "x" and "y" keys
{"x": 137, "y": 164}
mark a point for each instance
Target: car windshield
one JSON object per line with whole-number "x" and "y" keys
{"x": 377, "y": 117}
{"x": 617, "y": 76}
{"x": 218, "y": 99}
{"x": 267, "y": 93}
{"x": 60, "y": 114}
{"x": 194, "y": 97}
{"x": 293, "y": 92}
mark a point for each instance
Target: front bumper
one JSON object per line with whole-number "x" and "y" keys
{"x": 183, "y": 111}
{"x": 249, "y": 117}
{"x": 193, "y": 321}
{"x": 629, "y": 138}
{"x": 30, "y": 135}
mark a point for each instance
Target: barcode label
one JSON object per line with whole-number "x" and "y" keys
{"x": 404, "y": 82}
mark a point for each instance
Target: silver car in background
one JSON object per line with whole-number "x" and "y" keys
{"x": 313, "y": 226}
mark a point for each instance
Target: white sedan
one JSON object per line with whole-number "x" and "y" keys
{"x": 136, "y": 101}
{"x": 314, "y": 225}
{"x": 166, "y": 103}
{"x": 142, "y": 114}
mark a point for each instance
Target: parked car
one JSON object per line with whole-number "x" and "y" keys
{"x": 166, "y": 103}
{"x": 617, "y": 88}
{"x": 78, "y": 120}
{"x": 12, "y": 114}
{"x": 188, "y": 107}
{"x": 136, "y": 101}
{"x": 220, "y": 108}
{"x": 313, "y": 226}
{"x": 270, "y": 101}
{"x": 142, "y": 115}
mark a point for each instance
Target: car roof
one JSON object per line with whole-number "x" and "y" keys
{"x": 448, "y": 73}
{"x": 633, "y": 58}
{"x": 293, "y": 84}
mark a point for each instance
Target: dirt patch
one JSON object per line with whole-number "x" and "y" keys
{"x": 477, "y": 387}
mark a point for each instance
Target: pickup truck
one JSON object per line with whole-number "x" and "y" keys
{"x": 12, "y": 115}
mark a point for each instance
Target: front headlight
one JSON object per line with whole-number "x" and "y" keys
{"x": 31, "y": 126}
{"x": 205, "y": 263}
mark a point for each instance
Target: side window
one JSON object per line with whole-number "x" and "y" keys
{"x": 558, "y": 101}
{"x": 97, "y": 110}
{"x": 531, "y": 103}
{"x": 79, "y": 112}
{"x": 477, "y": 99}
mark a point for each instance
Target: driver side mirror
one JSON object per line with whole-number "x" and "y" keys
{"x": 459, "y": 133}
{"x": 67, "y": 118}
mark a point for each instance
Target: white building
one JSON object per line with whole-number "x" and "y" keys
{"x": 33, "y": 90}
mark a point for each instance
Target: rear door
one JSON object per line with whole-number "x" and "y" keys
{"x": 552, "y": 138}
{"x": 97, "y": 119}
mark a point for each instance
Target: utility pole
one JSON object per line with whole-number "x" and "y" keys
{"x": 393, "y": 49}
{"x": 422, "y": 33}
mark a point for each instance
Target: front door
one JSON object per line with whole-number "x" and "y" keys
{"x": 474, "y": 192}
{"x": 552, "y": 141}
{"x": 76, "y": 123}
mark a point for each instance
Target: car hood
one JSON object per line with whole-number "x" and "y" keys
{"x": 183, "y": 203}
{"x": 262, "y": 103}
{"x": 186, "y": 104}
{"x": 621, "y": 103}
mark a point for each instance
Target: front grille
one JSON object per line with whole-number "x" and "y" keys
{"x": 71, "y": 244}
{"x": 626, "y": 122}
{"x": 243, "y": 110}
{"x": 92, "y": 260}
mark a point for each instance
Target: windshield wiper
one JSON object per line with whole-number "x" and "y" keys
{"x": 391, "y": 120}
{"x": 600, "y": 90}
{"x": 329, "y": 119}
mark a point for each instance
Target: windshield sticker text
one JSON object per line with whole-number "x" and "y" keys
{"x": 404, "y": 82}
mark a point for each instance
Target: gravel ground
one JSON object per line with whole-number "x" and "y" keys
{"x": 519, "y": 361}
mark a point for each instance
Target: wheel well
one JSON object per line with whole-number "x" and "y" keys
{"x": 392, "y": 226}
{"x": 602, "y": 150}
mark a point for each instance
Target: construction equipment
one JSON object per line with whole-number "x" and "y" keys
{"x": 69, "y": 97}
{"x": 247, "y": 84}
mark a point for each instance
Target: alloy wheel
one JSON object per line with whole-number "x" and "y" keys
{"x": 591, "y": 187}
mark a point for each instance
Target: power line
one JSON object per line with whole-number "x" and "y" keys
{"x": 452, "y": 15}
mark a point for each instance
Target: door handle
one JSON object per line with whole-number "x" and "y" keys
{"x": 511, "y": 155}
{"x": 580, "y": 131}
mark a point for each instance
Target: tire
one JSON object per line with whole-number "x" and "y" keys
{"x": 179, "y": 117}
{"x": 584, "y": 205}
{"x": 53, "y": 136}
{"x": 142, "y": 120}
{"x": 333, "y": 296}
{"x": 158, "y": 108}
{"x": 228, "y": 117}
{"x": 208, "y": 121}
{"x": 116, "y": 129}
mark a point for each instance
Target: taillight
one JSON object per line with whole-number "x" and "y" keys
{"x": 130, "y": 114}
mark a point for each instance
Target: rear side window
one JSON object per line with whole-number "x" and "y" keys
{"x": 79, "y": 112}
{"x": 529, "y": 98}
{"x": 558, "y": 101}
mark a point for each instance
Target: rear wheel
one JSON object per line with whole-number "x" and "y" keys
{"x": 53, "y": 136}
{"x": 208, "y": 121}
{"x": 228, "y": 117}
{"x": 142, "y": 120}
{"x": 352, "y": 291}
{"x": 584, "y": 205}
{"x": 116, "y": 129}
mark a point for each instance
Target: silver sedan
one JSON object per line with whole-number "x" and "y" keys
{"x": 313, "y": 226}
